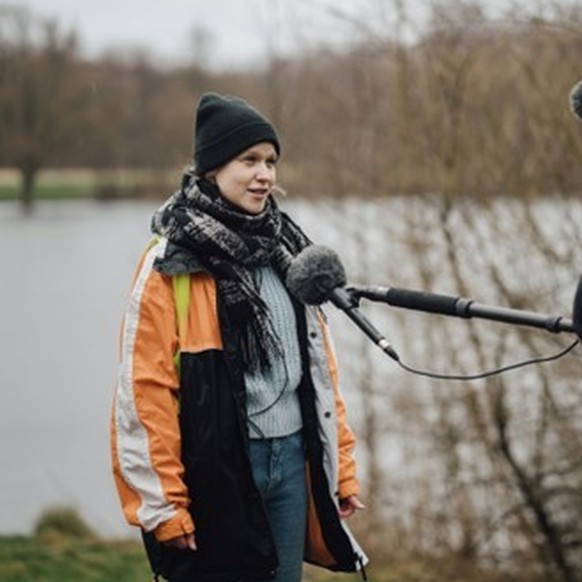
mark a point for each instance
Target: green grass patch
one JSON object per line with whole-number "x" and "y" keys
{"x": 66, "y": 184}
{"x": 8, "y": 192}
{"x": 64, "y": 548}
{"x": 49, "y": 192}
{"x": 25, "y": 559}
{"x": 65, "y": 560}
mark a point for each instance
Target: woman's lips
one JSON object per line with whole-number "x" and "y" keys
{"x": 259, "y": 192}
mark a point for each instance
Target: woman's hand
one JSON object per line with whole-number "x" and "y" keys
{"x": 182, "y": 542}
{"x": 349, "y": 505}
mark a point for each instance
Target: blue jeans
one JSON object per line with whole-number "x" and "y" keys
{"x": 279, "y": 471}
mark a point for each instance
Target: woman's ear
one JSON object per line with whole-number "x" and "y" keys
{"x": 210, "y": 176}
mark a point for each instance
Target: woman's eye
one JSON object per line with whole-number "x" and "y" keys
{"x": 251, "y": 160}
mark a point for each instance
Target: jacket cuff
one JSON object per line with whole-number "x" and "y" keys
{"x": 179, "y": 525}
{"x": 349, "y": 488}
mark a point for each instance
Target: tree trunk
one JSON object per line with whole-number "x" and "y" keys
{"x": 28, "y": 178}
{"x": 534, "y": 501}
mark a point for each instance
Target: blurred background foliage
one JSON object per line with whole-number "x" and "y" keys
{"x": 473, "y": 106}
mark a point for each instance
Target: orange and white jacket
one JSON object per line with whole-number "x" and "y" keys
{"x": 179, "y": 438}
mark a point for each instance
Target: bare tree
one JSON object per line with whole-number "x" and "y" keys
{"x": 36, "y": 91}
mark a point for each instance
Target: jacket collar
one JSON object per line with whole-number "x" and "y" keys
{"x": 177, "y": 261}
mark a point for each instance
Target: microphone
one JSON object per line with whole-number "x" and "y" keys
{"x": 576, "y": 100}
{"x": 317, "y": 275}
{"x": 415, "y": 300}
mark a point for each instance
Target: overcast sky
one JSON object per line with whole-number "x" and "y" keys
{"x": 240, "y": 31}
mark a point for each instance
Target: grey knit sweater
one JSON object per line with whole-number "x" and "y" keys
{"x": 272, "y": 400}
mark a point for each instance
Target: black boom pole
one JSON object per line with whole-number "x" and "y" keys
{"x": 467, "y": 308}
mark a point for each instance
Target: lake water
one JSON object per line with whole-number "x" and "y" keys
{"x": 66, "y": 271}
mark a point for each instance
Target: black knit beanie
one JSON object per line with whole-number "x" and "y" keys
{"x": 226, "y": 126}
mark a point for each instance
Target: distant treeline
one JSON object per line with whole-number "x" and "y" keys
{"x": 475, "y": 106}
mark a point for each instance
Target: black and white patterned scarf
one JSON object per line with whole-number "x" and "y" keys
{"x": 231, "y": 244}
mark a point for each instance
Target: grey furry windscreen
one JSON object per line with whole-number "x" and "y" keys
{"x": 314, "y": 273}
{"x": 576, "y": 100}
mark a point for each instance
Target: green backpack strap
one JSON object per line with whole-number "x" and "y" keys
{"x": 181, "y": 285}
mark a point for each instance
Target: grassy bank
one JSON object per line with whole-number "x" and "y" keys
{"x": 25, "y": 559}
{"x": 66, "y": 184}
{"x": 65, "y": 560}
{"x": 65, "y": 548}
{"x": 33, "y": 560}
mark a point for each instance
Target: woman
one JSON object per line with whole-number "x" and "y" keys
{"x": 237, "y": 463}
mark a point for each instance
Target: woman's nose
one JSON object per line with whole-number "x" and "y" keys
{"x": 264, "y": 172}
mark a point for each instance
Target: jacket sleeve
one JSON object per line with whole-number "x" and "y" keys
{"x": 348, "y": 483}
{"x": 145, "y": 433}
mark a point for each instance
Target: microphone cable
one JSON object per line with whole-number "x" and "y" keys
{"x": 494, "y": 372}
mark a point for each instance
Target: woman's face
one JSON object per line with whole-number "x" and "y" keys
{"x": 247, "y": 180}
